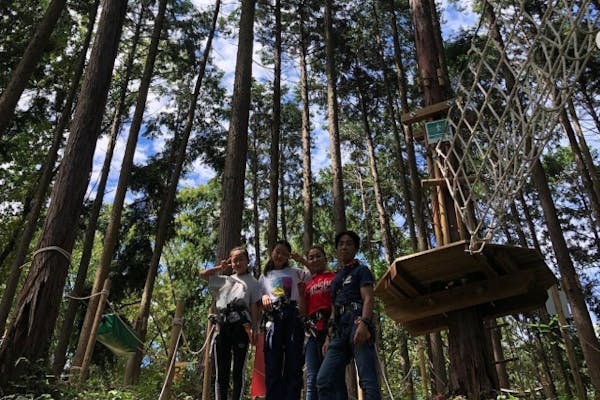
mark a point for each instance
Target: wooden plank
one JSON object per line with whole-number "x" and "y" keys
{"x": 444, "y": 264}
{"x": 426, "y": 183}
{"x": 504, "y": 258}
{"x": 426, "y": 325}
{"x": 426, "y": 112}
{"x": 404, "y": 281}
{"x": 489, "y": 268}
{"x": 465, "y": 296}
{"x": 388, "y": 292}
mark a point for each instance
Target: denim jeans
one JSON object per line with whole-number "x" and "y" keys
{"x": 284, "y": 341}
{"x": 330, "y": 380}
{"x": 314, "y": 357}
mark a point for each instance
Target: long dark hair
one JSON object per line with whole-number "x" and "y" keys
{"x": 270, "y": 265}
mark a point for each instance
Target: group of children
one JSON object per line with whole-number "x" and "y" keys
{"x": 310, "y": 315}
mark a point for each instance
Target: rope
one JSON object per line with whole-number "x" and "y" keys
{"x": 173, "y": 357}
{"x": 142, "y": 349}
{"x": 62, "y": 251}
{"x": 195, "y": 353}
{"x": 382, "y": 369}
{"x": 493, "y": 148}
{"x": 88, "y": 297}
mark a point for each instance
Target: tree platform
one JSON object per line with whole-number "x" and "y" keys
{"x": 419, "y": 289}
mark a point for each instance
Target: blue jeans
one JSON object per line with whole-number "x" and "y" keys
{"x": 313, "y": 357}
{"x": 330, "y": 380}
{"x": 284, "y": 341}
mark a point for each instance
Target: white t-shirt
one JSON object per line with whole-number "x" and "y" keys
{"x": 283, "y": 283}
{"x": 242, "y": 290}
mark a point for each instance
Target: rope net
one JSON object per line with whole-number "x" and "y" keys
{"x": 523, "y": 67}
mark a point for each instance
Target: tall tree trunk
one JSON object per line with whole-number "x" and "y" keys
{"x": 391, "y": 110}
{"x": 230, "y": 222}
{"x": 415, "y": 187}
{"x": 586, "y": 155}
{"x": 384, "y": 221}
{"x": 470, "y": 355}
{"x": 529, "y": 219}
{"x": 339, "y": 212}
{"x": 589, "y": 102}
{"x": 569, "y": 279}
{"x": 366, "y": 215}
{"x": 275, "y": 134}
{"x": 87, "y": 337}
{"x": 585, "y": 167}
{"x": 45, "y": 176}
{"x": 37, "y": 307}
{"x": 547, "y": 380}
{"x": 90, "y": 233}
{"x": 255, "y": 203}
{"x": 140, "y": 326}
{"x": 33, "y": 53}
{"x": 308, "y": 232}
{"x": 496, "y": 339}
{"x": 282, "y": 200}
{"x": 557, "y": 359}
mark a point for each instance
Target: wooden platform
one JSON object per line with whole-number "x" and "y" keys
{"x": 419, "y": 290}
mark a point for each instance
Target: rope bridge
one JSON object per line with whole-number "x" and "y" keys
{"x": 523, "y": 67}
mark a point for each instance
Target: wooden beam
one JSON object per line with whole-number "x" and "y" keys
{"x": 419, "y": 135}
{"x": 488, "y": 267}
{"x": 464, "y": 296}
{"x": 426, "y": 112}
{"x": 425, "y": 183}
{"x": 404, "y": 281}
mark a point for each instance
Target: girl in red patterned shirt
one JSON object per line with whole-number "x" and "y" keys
{"x": 315, "y": 305}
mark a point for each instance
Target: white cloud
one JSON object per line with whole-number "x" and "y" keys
{"x": 456, "y": 16}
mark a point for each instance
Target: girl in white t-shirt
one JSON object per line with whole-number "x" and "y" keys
{"x": 237, "y": 298}
{"x": 284, "y": 330}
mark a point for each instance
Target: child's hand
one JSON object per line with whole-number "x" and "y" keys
{"x": 267, "y": 302}
{"x": 362, "y": 334}
{"x": 297, "y": 257}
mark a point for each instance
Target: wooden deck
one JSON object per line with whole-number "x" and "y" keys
{"x": 418, "y": 290}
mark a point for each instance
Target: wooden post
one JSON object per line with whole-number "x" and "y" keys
{"x": 472, "y": 370}
{"x": 562, "y": 321}
{"x": 173, "y": 341}
{"x": 496, "y": 339}
{"x": 81, "y": 376}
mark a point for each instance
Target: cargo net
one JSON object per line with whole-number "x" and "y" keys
{"x": 523, "y": 67}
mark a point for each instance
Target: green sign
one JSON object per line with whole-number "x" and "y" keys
{"x": 438, "y": 131}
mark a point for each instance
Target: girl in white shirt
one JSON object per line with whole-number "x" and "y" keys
{"x": 284, "y": 330}
{"x": 237, "y": 298}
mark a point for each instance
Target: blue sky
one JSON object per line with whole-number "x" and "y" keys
{"x": 456, "y": 16}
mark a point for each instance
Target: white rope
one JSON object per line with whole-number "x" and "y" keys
{"x": 195, "y": 353}
{"x": 88, "y": 297}
{"x": 142, "y": 344}
{"x": 62, "y": 251}
{"x": 382, "y": 369}
{"x": 173, "y": 357}
{"x": 508, "y": 102}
